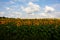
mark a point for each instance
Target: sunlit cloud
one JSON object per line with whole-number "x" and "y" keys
{"x": 2, "y": 14}
{"x": 49, "y": 9}
{"x": 30, "y": 8}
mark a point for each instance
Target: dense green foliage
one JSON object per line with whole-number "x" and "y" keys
{"x": 29, "y": 29}
{"x": 40, "y": 32}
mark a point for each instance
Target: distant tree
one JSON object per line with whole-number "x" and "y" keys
{"x": 3, "y": 17}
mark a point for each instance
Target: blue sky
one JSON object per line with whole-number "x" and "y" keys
{"x": 30, "y": 8}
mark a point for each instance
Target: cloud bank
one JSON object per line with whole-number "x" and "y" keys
{"x": 28, "y": 10}
{"x": 31, "y": 8}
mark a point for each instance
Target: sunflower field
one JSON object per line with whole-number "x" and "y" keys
{"x": 29, "y": 29}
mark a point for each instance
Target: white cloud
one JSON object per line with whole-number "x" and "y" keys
{"x": 26, "y": 0}
{"x": 45, "y": 15}
{"x": 11, "y": 8}
{"x": 2, "y": 14}
{"x": 49, "y": 9}
{"x": 56, "y": 14}
{"x": 34, "y": 0}
{"x": 7, "y": 8}
{"x": 31, "y": 8}
{"x": 14, "y": 15}
{"x": 11, "y": 2}
{"x": 50, "y": 15}
{"x": 34, "y": 6}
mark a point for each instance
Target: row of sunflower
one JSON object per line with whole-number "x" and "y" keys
{"x": 29, "y": 22}
{"x": 29, "y": 29}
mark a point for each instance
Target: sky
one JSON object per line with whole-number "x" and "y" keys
{"x": 30, "y": 9}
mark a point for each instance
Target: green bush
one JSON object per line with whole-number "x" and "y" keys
{"x": 41, "y": 32}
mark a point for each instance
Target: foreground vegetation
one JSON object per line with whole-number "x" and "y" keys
{"x": 29, "y": 29}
